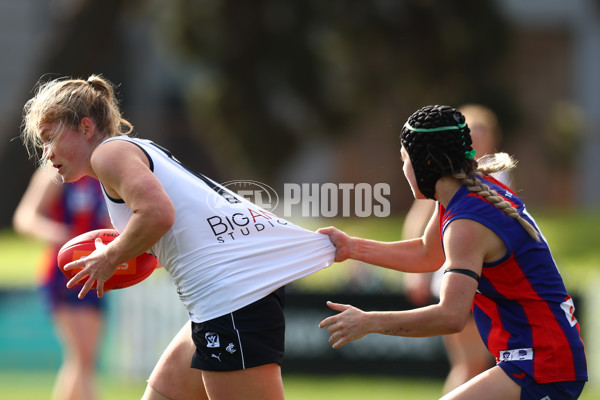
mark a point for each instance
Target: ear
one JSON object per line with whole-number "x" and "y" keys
{"x": 87, "y": 128}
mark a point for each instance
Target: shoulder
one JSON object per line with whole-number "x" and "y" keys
{"x": 115, "y": 151}
{"x": 470, "y": 237}
{"x": 117, "y": 161}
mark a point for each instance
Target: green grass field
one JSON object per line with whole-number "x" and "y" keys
{"x": 572, "y": 236}
{"x": 37, "y": 386}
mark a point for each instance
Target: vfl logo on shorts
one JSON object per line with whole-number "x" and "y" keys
{"x": 212, "y": 340}
{"x": 516, "y": 355}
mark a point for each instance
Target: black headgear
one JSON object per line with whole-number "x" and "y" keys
{"x": 438, "y": 142}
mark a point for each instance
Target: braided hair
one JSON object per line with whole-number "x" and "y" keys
{"x": 438, "y": 142}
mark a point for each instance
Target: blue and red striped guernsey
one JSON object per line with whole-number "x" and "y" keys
{"x": 81, "y": 207}
{"x": 521, "y": 307}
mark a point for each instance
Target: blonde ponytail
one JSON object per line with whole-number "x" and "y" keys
{"x": 490, "y": 164}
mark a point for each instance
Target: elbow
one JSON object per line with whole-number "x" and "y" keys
{"x": 454, "y": 326}
{"x": 454, "y": 322}
{"x": 165, "y": 219}
{"x": 20, "y": 223}
{"x": 16, "y": 224}
{"x": 161, "y": 217}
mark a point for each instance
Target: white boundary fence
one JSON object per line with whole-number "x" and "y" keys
{"x": 142, "y": 321}
{"x": 144, "y": 318}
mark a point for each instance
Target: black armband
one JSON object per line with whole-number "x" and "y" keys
{"x": 463, "y": 271}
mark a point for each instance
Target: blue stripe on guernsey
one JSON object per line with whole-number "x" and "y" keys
{"x": 484, "y": 322}
{"x": 521, "y": 301}
{"x": 81, "y": 208}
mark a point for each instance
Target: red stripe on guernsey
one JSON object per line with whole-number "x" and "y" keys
{"x": 445, "y": 217}
{"x": 512, "y": 203}
{"x": 548, "y": 335}
{"x": 441, "y": 221}
{"x": 499, "y": 340}
{"x": 497, "y": 182}
{"x": 503, "y": 186}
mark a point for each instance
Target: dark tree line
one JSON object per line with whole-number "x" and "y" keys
{"x": 268, "y": 74}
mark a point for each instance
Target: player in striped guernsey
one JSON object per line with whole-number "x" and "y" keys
{"x": 54, "y": 212}
{"x": 496, "y": 262}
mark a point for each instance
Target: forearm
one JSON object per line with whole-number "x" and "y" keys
{"x": 143, "y": 230}
{"x": 41, "y": 228}
{"x": 352, "y": 323}
{"x": 420, "y": 322}
{"x": 447, "y": 316}
{"x": 407, "y": 255}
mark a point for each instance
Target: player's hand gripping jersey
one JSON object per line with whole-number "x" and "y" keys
{"x": 223, "y": 251}
{"x": 521, "y": 307}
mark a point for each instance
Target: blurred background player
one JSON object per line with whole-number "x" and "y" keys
{"x": 466, "y": 352}
{"x": 54, "y": 213}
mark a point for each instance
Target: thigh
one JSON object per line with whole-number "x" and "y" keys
{"x": 172, "y": 377}
{"x": 79, "y": 329}
{"x": 492, "y": 384}
{"x": 263, "y": 382}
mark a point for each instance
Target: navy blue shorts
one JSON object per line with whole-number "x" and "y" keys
{"x": 57, "y": 293}
{"x": 531, "y": 390}
{"x": 249, "y": 337}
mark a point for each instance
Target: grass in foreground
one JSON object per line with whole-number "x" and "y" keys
{"x": 38, "y": 385}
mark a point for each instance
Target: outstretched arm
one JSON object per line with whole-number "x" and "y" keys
{"x": 416, "y": 255}
{"x": 468, "y": 245}
{"x": 446, "y": 317}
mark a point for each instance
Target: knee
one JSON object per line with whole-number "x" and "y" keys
{"x": 153, "y": 394}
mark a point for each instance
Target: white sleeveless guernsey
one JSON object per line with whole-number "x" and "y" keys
{"x": 223, "y": 252}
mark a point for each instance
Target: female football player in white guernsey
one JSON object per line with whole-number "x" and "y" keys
{"x": 228, "y": 258}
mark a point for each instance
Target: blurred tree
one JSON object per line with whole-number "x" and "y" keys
{"x": 270, "y": 73}
{"x": 82, "y": 39}
{"x": 263, "y": 76}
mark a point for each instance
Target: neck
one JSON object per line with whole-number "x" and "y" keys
{"x": 445, "y": 188}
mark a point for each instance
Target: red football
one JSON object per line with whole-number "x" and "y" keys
{"x": 127, "y": 274}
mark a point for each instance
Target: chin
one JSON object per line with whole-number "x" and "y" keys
{"x": 69, "y": 179}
